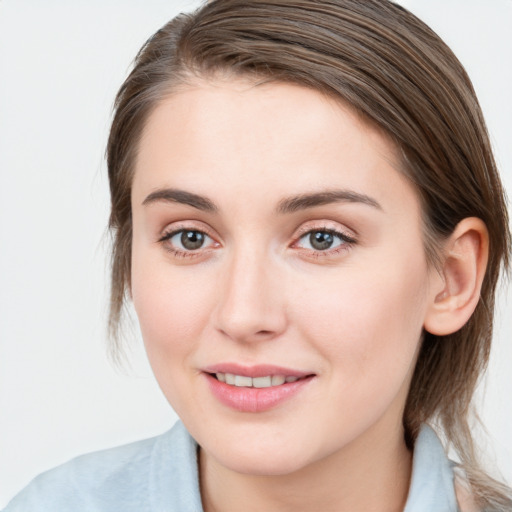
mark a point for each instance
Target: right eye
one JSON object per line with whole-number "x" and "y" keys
{"x": 185, "y": 241}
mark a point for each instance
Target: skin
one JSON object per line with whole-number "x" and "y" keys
{"x": 257, "y": 292}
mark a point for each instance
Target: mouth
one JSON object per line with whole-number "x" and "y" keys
{"x": 255, "y": 389}
{"x": 267, "y": 381}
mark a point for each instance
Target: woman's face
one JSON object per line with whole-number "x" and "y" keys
{"x": 275, "y": 240}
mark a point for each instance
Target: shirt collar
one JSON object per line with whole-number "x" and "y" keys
{"x": 174, "y": 477}
{"x": 432, "y": 486}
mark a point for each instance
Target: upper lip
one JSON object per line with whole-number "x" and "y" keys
{"x": 259, "y": 370}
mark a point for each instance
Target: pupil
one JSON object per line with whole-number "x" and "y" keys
{"x": 321, "y": 240}
{"x": 192, "y": 239}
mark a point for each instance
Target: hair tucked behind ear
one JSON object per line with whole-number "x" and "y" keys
{"x": 398, "y": 74}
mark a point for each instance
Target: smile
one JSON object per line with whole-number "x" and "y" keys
{"x": 255, "y": 389}
{"x": 254, "y": 382}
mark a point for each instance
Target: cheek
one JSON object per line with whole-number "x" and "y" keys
{"x": 367, "y": 321}
{"x": 171, "y": 308}
{"x": 172, "y": 312}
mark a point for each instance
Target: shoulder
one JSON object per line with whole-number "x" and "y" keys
{"x": 89, "y": 482}
{"x": 121, "y": 478}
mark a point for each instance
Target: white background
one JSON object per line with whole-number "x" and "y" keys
{"x": 61, "y": 63}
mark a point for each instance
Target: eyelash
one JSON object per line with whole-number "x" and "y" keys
{"x": 179, "y": 253}
{"x": 347, "y": 242}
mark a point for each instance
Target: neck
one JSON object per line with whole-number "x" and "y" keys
{"x": 369, "y": 474}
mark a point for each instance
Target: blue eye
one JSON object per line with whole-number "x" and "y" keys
{"x": 323, "y": 240}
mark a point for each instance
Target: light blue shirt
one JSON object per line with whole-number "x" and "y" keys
{"x": 161, "y": 475}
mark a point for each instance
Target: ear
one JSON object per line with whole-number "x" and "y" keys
{"x": 456, "y": 290}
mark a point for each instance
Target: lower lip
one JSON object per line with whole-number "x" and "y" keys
{"x": 255, "y": 399}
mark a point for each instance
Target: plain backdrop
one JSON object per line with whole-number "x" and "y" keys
{"x": 61, "y": 63}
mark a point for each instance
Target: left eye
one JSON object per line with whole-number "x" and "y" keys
{"x": 322, "y": 240}
{"x": 188, "y": 239}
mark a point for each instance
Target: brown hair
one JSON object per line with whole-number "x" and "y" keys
{"x": 397, "y": 73}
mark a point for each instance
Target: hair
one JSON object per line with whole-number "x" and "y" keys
{"x": 400, "y": 76}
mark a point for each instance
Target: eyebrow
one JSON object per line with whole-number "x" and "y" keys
{"x": 304, "y": 201}
{"x": 287, "y": 205}
{"x": 173, "y": 195}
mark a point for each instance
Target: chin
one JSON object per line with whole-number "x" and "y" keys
{"x": 260, "y": 458}
{"x": 266, "y": 465}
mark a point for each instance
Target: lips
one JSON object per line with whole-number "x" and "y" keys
{"x": 260, "y": 370}
{"x": 256, "y": 388}
{"x": 254, "y": 382}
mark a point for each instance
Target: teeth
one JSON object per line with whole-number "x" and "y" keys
{"x": 277, "y": 380}
{"x": 256, "y": 382}
{"x": 262, "y": 382}
{"x": 243, "y": 382}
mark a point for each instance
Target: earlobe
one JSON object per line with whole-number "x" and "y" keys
{"x": 460, "y": 280}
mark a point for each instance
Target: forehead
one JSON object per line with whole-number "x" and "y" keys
{"x": 273, "y": 138}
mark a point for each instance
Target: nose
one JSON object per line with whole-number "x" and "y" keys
{"x": 251, "y": 304}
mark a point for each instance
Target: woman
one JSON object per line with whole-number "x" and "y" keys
{"x": 309, "y": 221}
